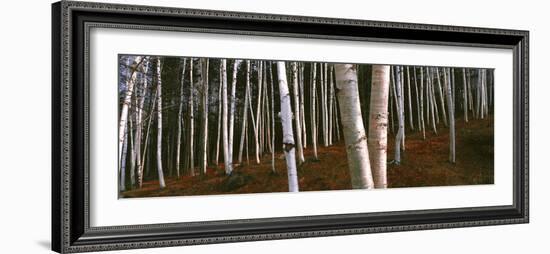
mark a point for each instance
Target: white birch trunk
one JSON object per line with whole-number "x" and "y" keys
{"x": 302, "y": 99}
{"x": 378, "y": 124}
{"x": 452, "y": 156}
{"x": 422, "y": 103}
{"x": 225, "y": 138}
{"x": 288, "y": 136}
{"x": 257, "y": 121}
{"x": 232, "y": 108}
{"x": 220, "y": 109}
{"x": 180, "y": 120}
{"x": 354, "y": 130}
{"x": 400, "y": 120}
{"x": 465, "y": 94}
{"x": 140, "y": 123}
{"x": 123, "y": 162}
{"x": 313, "y": 111}
{"x": 204, "y": 115}
{"x": 330, "y": 103}
{"x": 132, "y": 153}
{"x": 441, "y": 97}
{"x": 191, "y": 122}
{"x": 130, "y": 83}
{"x": 297, "y": 113}
{"x": 245, "y": 111}
{"x": 159, "y": 121}
{"x": 272, "y": 118}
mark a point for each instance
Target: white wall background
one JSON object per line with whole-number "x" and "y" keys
{"x": 25, "y": 125}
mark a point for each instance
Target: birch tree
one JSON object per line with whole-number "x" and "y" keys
{"x": 159, "y": 121}
{"x": 232, "y": 109}
{"x": 288, "y": 136}
{"x": 452, "y": 157}
{"x": 139, "y": 120}
{"x": 465, "y": 94}
{"x": 256, "y": 121}
{"x": 220, "y": 109}
{"x": 401, "y": 122}
{"x": 245, "y": 111}
{"x": 227, "y": 160}
{"x": 180, "y": 119}
{"x": 204, "y": 115}
{"x": 130, "y": 83}
{"x": 123, "y": 162}
{"x": 352, "y": 123}
{"x": 411, "y": 122}
{"x": 191, "y": 121}
{"x": 297, "y": 114}
{"x": 313, "y": 111}
{"x": 378, "y": 123}
{"x": 272, "y": 118}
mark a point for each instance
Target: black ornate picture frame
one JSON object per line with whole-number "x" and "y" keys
{"x": 71, "y": 230}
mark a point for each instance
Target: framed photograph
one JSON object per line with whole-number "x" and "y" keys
{"x": 179, "y": 126}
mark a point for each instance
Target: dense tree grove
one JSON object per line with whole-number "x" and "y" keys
{"x": 180, "y": 116}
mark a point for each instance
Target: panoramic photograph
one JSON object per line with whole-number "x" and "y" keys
{"x": 208, "y": 126}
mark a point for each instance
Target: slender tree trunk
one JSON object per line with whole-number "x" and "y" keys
{"x": 272, "y": 118}
{"x": 450, "y": 105}
{"x": 354, "y": 130}
{"x": 220, "y": 109}
{"x": 417, "y": 96}
{"x": 204, "y": 115}
{"x": 159, "y": 121}
{"x": 232, "y": 108}
{"x": 378, "y": 124}
{"x": 430, "y": 96}
{"x": 180, "y": 119}
{"x": 191, "y": 123}
{"x": 330, "y": 101}
{"x": 313, "y": 111}
{"x": 225, "y": 138}
{"x": 411, "y": 122}
{"x": 152, "y": 108}
{"x": 441, "y": 96}
{"x": 245, "y": 111}
{"x": 336, "y": 120}
{"x": 140, "y": 123}
{"x": 130, "y": 83}
{"x": 256, "y": 121}
{"x": 324, "y": 106}
{"x": 401, "y": 122}
{"x": 465, "y": 94}
{"x": 123, "y": 161}
{"x": 288, "y": 136}
{"x": 303, "y": 112}
{"x": 422, "y": 103}
{"x": 297, "y": 113}
{"x": 132, "y": 153}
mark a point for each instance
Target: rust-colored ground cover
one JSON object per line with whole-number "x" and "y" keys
{"x": 424, "y": 163}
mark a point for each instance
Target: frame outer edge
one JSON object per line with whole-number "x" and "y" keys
{"x": 65, "y": 121}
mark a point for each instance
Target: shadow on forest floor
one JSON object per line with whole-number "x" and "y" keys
{"x": 424, "y": 163}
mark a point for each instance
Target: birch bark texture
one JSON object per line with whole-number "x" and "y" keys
{"x": 159, "y": 122}
{"x": 378, "y": 124}
{"x": 288, "y": 136}
{"x": 180, "y": 119}
{"x": 352, "y": 124}
{"x": 227, "y": 161}
{"x": 297, "y": 113}
{"x": 130, "y": 83}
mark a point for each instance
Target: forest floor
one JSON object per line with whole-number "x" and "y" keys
{"x": 424, "y": 163}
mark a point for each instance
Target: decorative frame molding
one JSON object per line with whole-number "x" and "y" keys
{"x": 71, "y": 22}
